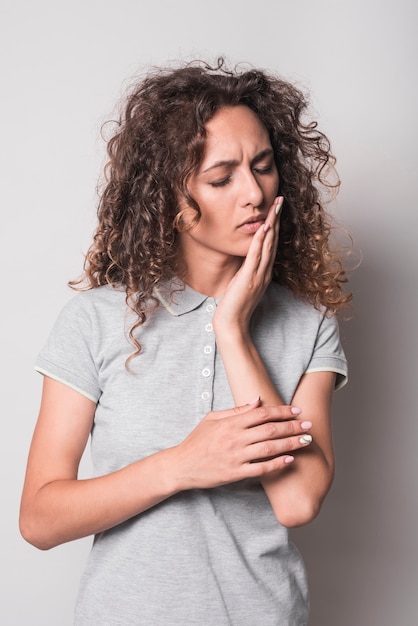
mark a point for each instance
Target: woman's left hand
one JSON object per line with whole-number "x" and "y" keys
{"x": 252, "y": 279}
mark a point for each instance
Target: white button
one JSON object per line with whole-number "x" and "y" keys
{"x": 207, "y": 349}
{"x": 206, "y": 372}
{"x": 210, "y": 308}
{"x": 209, "y": 328}
{"x": 205, "y": 395}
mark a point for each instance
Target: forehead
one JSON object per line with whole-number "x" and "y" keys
{"x": 233, "y": 126}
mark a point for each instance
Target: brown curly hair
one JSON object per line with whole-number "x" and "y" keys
{"x": 159, "y": 143}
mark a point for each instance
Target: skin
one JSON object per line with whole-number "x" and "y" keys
{"x": 259, "y": 437}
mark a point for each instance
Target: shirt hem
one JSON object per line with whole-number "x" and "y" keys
{"x": 340, "y": 382}
{"x": 65, "y": 382}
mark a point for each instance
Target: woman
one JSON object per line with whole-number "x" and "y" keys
{"x": 201, "y": 358}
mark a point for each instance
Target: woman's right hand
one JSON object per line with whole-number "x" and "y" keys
{"x": 239, "y": 443}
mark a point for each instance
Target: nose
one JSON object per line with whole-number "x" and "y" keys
{"x": 251, "y": 191}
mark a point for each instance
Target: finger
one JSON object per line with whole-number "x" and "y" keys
{"x": 234, "y": 411}
{"x": 273, "y": 217}
{"x": 262, "y": 468}
{"x": 258, "y": 452}
{"x": 277, "y": 430}
{"x": 263, "y": 414}
{"x": 262, "y": 251}
{"x": 273, "y": 226}
{"x": 256, "y": 245}
{"x": 269, "y": 223}
{"x": 278, "y": 212}
{"x": 260, "y": 254}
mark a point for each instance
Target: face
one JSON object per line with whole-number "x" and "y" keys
{"x": 234, "y": 186}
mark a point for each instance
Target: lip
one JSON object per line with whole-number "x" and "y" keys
{"x": 253, "y": 223}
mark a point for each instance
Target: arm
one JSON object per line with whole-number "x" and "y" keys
{"x": 296, "y": 494}
{"x": 57, "y": 507}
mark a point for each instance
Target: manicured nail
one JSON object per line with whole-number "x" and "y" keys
{"x": 295, "y": 410}
{"x": 289, "y": 459}
{"x": 255, "y": 401}
{"x": 279, "y": 205}
{"x": 306, "y": 425}
{"x": 305, "y": 439}
{"x": 266, "y": 227}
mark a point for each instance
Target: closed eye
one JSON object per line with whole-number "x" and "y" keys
{"x": 220, "y": 183}
{"x": 263, "y": 170}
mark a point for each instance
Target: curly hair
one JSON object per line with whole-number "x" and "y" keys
{"x": 159, "y": 143}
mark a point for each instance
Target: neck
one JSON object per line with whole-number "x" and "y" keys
{"x": 209, "y": 273}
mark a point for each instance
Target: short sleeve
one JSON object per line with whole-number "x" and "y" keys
{"x": 66, "y": 355}
{"x": 328, "y": 354}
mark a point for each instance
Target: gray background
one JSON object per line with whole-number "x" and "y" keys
{"x": 63, "y": 67}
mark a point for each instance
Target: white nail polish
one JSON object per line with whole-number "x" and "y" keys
{"x": 279, "y": 206}
{"x": 305, "y": 439}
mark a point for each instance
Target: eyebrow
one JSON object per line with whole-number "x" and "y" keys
{"x": 233, "y": 162}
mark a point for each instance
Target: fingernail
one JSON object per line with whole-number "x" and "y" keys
{"x": 295, "y": 410}
{"x": 255, "y": 401}
{"x": 289, "y": 459}
{"x": 305, "y": 439}
{"x": 279, "y": 205}
{"x": 266, "y": 227}
{"x": 306, "y": 425}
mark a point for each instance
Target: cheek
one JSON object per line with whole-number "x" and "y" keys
{"x": 210, "y": 222}
{"x": 276, "y": 182}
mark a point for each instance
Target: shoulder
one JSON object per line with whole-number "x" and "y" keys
{"x": 91, "y": 314}
{"x": 282, "y": 313}
{"x": 99, "y": 296}
{"x": 89, "y": 326}
{"x": 281, "y": 302}
{"x": 281, "y": 308}
{"x": 294, "y": 328}
{"x": 95, "y": 301}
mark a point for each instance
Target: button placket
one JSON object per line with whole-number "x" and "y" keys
{"x": 208, "y": 356}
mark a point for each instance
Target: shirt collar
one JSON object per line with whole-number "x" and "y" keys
{"x": 178, "y": 298}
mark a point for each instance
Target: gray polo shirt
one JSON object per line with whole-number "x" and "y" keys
{"x": 213, "y": 557}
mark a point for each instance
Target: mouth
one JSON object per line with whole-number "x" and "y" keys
{"x": 253, "y": 223}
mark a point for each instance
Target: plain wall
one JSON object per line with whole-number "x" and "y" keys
{"x": 64, "y": 65}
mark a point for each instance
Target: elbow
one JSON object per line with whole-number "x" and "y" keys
{"x": 32, "y": 533}
{"x": 301, "y": 503}
{"x": 300, "y": 515}
{"x": 300, "y": 508}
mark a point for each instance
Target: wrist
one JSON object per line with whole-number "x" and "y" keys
{"x": 179, "y": 472}
{"x": 231, "y": 332}
{"x": 168, "y": 470}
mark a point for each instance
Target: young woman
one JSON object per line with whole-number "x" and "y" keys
{"x": 201, "y": 357}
